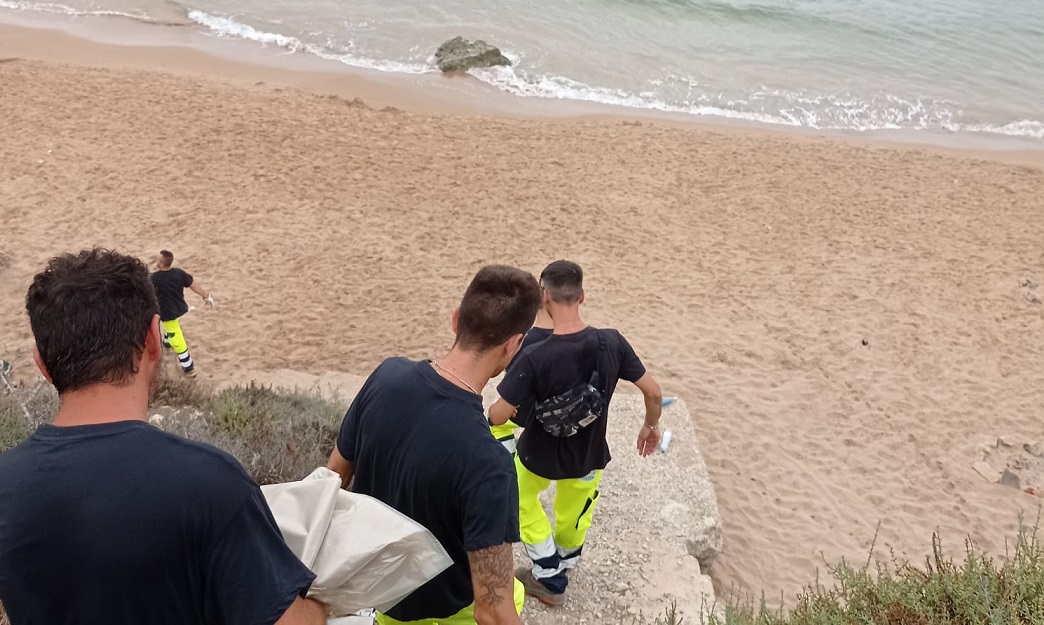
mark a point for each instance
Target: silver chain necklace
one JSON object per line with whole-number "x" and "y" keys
{"x": 459, "y": 379}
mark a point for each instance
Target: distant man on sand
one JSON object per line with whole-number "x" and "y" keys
{"x": 571, "y": 377}
{"x": 105, "y": 519}
{"x": 170, "y": 283}
{"x": 416, "y": 438}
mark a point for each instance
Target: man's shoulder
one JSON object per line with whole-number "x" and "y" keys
{"x": 201, "y": 457}
{"x": 392, "y": 369}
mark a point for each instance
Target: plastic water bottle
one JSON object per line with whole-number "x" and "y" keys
{"x": 665, "y": 441}
{"x": 667, "y": 401}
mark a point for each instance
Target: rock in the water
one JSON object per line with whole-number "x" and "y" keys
{"x": 457, "y": 54}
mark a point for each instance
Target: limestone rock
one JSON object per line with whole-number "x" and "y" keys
{"x": 987, "y": 472}
{"x": 458, "y": 54}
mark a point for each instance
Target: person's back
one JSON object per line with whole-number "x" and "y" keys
{"x": 121, "y": 522}
{"x": 416, "y": 438}
{"x": 421, "y": 445}
{"x": 564, "y": 440}
{"x": 106, "y": 519}
{"x": 170, "y": 284}
{"x": 554, "y": 366}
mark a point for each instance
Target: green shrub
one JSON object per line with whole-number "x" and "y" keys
{"x": 177, "y": 389}
{"x": 278, "y": 436}
{"x": 40, "y": 401}
{"x": 972, "y": 591}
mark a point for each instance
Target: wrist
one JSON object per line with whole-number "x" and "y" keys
{"x": 651, "y": 426}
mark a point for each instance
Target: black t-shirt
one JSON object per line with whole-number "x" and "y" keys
{"x": 124, "y": 523}
{"x": 553, "y": 367}
{"x": 534, "y": 336}
{"x": 422, "y": 445}
{"x": 170, "y": 291}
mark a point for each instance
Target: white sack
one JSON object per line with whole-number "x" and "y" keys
{"x": 364, "y": 553}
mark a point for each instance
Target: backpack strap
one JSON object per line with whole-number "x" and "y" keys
{"x": 600, "y": 377}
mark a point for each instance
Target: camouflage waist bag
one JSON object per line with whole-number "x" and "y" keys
{"x": 566, "y": 414}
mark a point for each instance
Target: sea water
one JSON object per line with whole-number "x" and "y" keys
{"x": 960, "y": 66}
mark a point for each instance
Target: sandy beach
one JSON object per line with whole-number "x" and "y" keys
{"x": 846, "y": 320}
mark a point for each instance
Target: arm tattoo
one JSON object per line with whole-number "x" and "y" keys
{"x": 491, "y": 573}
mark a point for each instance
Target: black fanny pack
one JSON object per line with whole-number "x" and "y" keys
{"x": 567, "y": 413}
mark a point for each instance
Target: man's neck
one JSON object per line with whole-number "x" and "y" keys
{"x": 103, "y": 403}
{"x": 567, "y": 319}
{"x": 469, "y": 370}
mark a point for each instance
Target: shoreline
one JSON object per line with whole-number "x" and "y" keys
{"x": 125, "y": 43}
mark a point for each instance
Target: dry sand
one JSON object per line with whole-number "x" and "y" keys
{"x": 845, "y": 321}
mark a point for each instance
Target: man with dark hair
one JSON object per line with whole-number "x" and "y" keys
{"x": 416, "y": 438}
{"x": 106, "y": 519}
{"x": 170, "y": 283}
{"x": 570, "y": 377}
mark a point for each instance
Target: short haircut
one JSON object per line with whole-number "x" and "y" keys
{"x": 564, "y": 281}
{"x": 90, "y": 314}
{"x": 500, "y": 302}
{"x": 168, "y": 257}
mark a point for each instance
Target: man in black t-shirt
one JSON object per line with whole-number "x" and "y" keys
{"x": 416, "y": 438}
{"x": 554, "y": 368}
{"x": 105, "y": 519}
{"x": 170, "y": 283}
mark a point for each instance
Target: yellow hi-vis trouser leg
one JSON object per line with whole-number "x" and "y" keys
{"x": 465, "y": 617}
{"x": 177, "y": 342}
{"x": 575, "y": 503}
{"x": 505, "y": 434}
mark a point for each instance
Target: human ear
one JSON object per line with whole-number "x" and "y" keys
{"x": 456, "y": 318}
{"x": 154, "y": 339}
{"x": 40, "y": 365}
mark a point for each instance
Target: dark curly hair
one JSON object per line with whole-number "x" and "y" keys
{"x": 90, "y": 314}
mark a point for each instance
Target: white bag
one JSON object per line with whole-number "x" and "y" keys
{"x": 364, "y": 554}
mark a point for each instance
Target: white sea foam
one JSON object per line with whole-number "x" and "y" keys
{"x": 228, "y": 27}
{"x": 769, "y": 106}
{"x": 61, "y": 9}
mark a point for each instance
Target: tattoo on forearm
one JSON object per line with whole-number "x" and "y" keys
{"x": 491, "y": 573}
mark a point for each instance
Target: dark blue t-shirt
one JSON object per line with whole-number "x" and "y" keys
{"x": 124, "y": 524}
{"x": 422, "y": 445}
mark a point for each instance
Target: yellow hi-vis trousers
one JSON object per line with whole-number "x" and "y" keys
{"x": 554, "y": 552}
{"x": 465, "y": 617}
{"x": 176, "y": 339}
{"x": 505, "y": 434}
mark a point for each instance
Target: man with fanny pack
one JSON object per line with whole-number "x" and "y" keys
{"x": 571, "y": 377}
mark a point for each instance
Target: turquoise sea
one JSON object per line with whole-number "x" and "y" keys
{"x": 960, "y": 66}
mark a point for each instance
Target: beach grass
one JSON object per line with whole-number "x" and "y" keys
{"x": 975, "y": 589}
